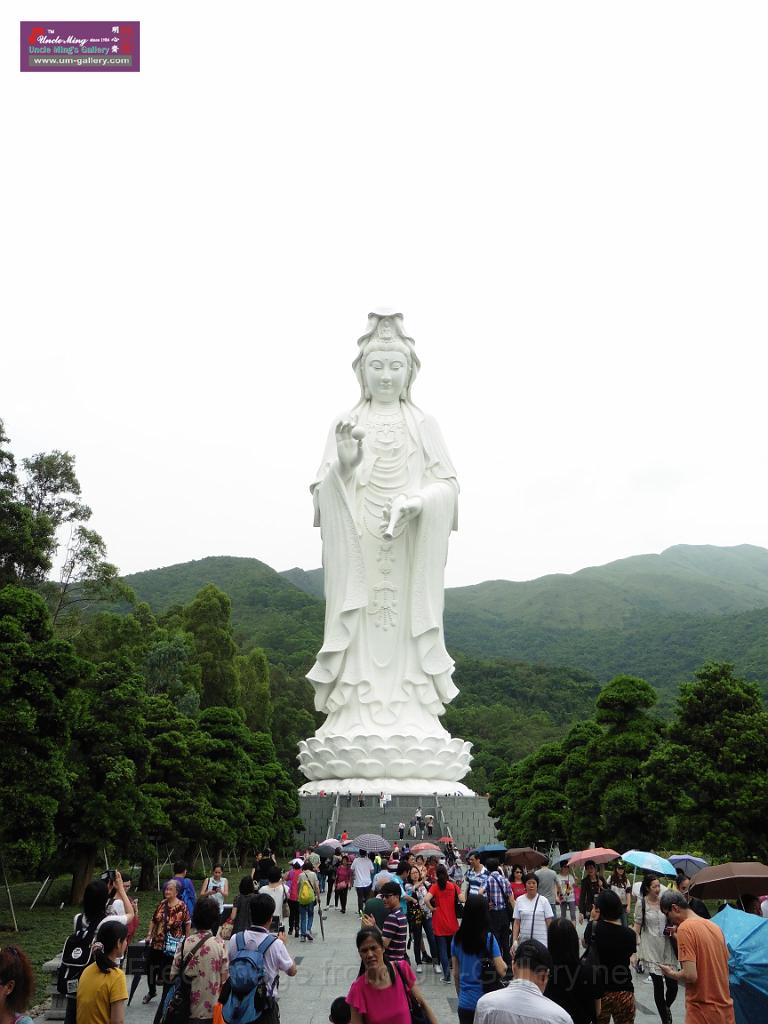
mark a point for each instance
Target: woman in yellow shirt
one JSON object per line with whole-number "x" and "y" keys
{"x": 102, "y": 993}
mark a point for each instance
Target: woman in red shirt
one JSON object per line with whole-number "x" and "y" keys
{"x": 516, "y": 881}
{"x": 442, "y": 898}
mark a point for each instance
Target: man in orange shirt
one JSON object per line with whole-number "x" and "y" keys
{"x": 703, "y": 957}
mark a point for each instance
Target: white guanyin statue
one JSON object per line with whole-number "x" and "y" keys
{"x": 386, "y": 501}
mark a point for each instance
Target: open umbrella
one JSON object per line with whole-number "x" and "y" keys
{"x": 328, "y": 847}
{"x": 746, "y": 936}
{"x": 688, "y": 864}
{"x": 445, "y": 839}
{"x": 491, "y": 848}
{"x": 730, "y": 881}
{"x": 564, "y": 857}
{"x": 372, "y": 843}
{"x": 599, "y": 854}
{"x": 527, "y": 857}
{"x": 649, "y": 862}
{"x": 426, "y": 848}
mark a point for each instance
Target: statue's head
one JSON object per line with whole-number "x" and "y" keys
{"x": 385, "y": 334}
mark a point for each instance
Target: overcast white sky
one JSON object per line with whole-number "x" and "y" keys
{"x": 567, "y": 202}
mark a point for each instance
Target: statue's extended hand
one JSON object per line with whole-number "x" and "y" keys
{"x": 349, "y": 443}
{"x": 401, "y": 511}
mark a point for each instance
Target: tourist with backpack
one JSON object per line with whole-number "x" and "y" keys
{"x": 169, "y": 925}
{"x": 102, "y": 992}
{"x": 207, "y": 961}
{"x": 77, "y": 954}
{"x": 185, "y": 886}
{"x": 256, "y": 958}
{"x": 308, "y": 894}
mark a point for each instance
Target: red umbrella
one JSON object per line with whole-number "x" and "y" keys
{"x": 425, "y": 848}
{"x": 599, "y": 854}
{"x": 445, "y": 839}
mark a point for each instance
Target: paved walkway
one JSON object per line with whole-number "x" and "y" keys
{"x": 328, "y": 968}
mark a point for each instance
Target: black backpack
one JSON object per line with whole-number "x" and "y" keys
{"x": 75, "y": 957}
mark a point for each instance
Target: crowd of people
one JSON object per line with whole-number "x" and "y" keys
{"x": 504, "y": 937}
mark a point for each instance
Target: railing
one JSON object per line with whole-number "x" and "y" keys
{"x": 334, "y": 819}
{"x": 446, "y": 828}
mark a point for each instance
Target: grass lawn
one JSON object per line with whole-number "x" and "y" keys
{"x": 42, "y": 931}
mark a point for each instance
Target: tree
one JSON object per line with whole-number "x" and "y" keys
{"x": 208, "y": 619}
{"x": 108, "y": 756}
{"x": 603, "y": 778}
{"x": 709, "y": 777}
{"x": 25, "y": 537}
{"x": 37, "y": 674}
{"x": 529, "y": 800}
{"x": 52, "y": 488}
{"x": 255, "y": 696}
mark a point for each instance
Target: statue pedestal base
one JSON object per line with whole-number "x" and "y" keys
{"x": 395, "y": 787}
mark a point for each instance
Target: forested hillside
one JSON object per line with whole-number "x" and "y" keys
{"x": 659, "y": 617}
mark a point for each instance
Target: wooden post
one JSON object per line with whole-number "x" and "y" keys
{"x": 8, "y": 890}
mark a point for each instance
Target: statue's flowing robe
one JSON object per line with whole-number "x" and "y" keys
{"x": 383, "y": 663}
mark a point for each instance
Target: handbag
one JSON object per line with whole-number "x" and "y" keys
{"x": 176, "y": 1007}
{"x": 416, "y": 1010}
{"x": 170, "y": 942}
{"x": 458, "y": 906}
{"x": 489, "y": 976}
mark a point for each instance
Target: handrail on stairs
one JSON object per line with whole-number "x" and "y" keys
{"x": 334, "y": 819}
{"x": 441, "y": 818}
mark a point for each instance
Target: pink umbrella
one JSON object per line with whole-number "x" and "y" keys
{"x": 599, "y": 854}
{"x": 426, "y": 848}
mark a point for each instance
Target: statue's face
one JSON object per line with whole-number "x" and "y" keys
{"x": 386, "y": 373}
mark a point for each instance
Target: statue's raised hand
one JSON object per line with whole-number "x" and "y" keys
{"x": 349, "y": 443}
{"x": 401, "y": 511}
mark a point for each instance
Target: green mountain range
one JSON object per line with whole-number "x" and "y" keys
{"x": 656, "y": 616}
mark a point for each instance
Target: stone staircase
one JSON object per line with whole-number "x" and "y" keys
{"x": 464, "y": 818}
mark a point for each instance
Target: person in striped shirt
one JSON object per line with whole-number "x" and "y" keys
{"x": 395, "y": 928}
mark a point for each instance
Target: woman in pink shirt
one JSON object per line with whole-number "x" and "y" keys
{"x": 343, "y": 882}
{"x": 381, "y": 994}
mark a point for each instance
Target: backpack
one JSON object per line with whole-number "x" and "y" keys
{"x": 248, "y": 998}
{"x": 176, "y": 1005}
{"x": 75, "y": 957}
{"x": 187, "y": 893}
{"x": 306, "y": 892}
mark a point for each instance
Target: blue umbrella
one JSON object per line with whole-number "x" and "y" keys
{"x": 688, "y": 864}
{"x": 746, "y": 936}
{"x": 492, "y": 848}
{"x": 564, "y": 856}
{"x": 649, "y": 862}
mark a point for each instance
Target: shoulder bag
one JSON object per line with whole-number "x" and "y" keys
{"x": 489, "y": 976}
{"x": 418, "y": 1015}
{"x": 533, "y": 916}
{"x": 176, "y": 1007}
